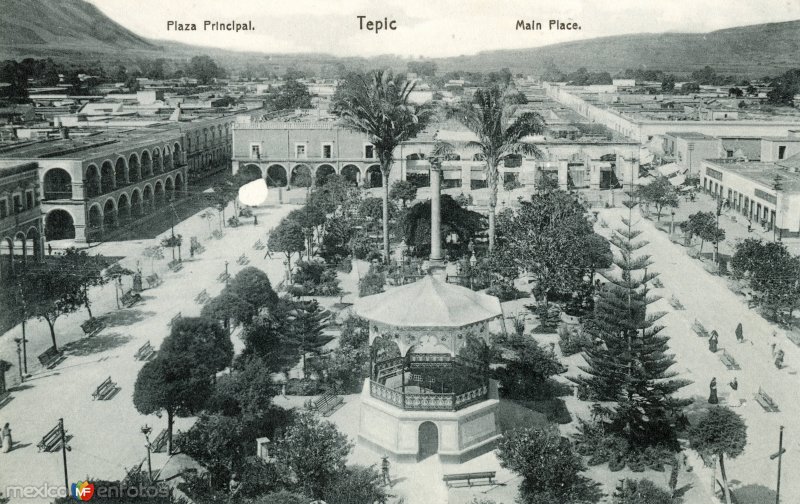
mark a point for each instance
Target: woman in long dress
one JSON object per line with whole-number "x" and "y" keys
{"x": 6, "y": 435}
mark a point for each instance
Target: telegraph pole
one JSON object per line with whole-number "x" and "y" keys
{"x": 779, "y": 456}
{"x": 64, "y": 452}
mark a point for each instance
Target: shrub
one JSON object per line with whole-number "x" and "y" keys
{"x": 505, "y": 292}
{"x": 345, "y": 265}
{"x": 372, "y": 282}
{"x": 630, "y": 491}
{"x": 314, "y": 278}
{"x": 572, "y": 342}
{"x": 246, "y": 212}
{"x": 464, "y": 199}
{"x": 217, "y": 234}
{"x": 233, "y": 221}
{"x": 303, "y": 387}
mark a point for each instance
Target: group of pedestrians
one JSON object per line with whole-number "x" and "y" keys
{"x": 5, "y": 439}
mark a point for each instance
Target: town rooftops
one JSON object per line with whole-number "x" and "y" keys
{"x": 19, "y": 168}
{"x": 82, "y": 147}
{"x": 764, "y": 173}
{"x": 689, "y": 135}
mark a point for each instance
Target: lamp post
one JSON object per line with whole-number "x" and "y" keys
{"x": 226, "y": 273}
{"x": 672, "y": 223}
{"x": 716, "y": 232}
{"x": 18, "y": 341}
{"x": 779, "y": 456}
{"x": 146, "y": 430}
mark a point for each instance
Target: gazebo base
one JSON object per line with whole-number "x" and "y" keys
{"x": 454, "y": 436}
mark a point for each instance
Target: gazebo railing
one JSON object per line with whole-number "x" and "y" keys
{"x": 427, "y": 401}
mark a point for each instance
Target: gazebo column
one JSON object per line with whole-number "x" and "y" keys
{"x": 436, "y": 219}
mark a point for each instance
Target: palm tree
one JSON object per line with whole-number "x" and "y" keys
{"x": 378, "y": 105}
{"x": 499, "y": 135}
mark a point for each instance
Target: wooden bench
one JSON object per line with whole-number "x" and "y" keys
{"x": 105, "y": 390}
{"x": 259, "y": 245}
{"x": 153, "y": 280}
{"x": 175, "y": 266}
{"x": 676, "y": 303}
{"x": 657, "y": 283}
{"x": 766, "y": 401}
{"x": 145, "y": 352}
{"x": 50, "y": 358}
{"x": 130, "y": 298}
{"x": 92, "y": 326}
{"x": 223, "y": 277}
{"x": 202, "y": 297}
{"x": 242, "y": 260}
{"x": 698, "y": 328}
{"x": 174, "y": 319}
{"x": 51, "y": 441}
{"x": 729, "y": 361}
{"x": 486, "y": 478}
{"x": 159, "y": 443}
{"x": 327, "y": 403}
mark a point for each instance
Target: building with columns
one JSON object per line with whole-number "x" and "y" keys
{"x": 93, "y": 184}
{"x": 21, "y": 237}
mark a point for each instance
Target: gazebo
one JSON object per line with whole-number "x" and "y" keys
{"x": 424, "y": 396}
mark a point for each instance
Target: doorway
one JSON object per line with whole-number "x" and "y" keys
{"x": 428, "y": 440}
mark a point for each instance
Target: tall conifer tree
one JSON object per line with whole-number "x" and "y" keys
{"x": 630, "y": 363}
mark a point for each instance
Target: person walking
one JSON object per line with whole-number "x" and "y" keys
{"x": 713, "y": 342}
{"x": 6, "y": 435}
{"x": 385, "y": 470}
{"x": 739, "y": 333}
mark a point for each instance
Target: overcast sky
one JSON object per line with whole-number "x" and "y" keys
{"x": 431, "y": 28}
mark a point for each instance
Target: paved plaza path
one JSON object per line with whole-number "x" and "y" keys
{"x": 106, "y": 437}
{"x": 706, "y": 298}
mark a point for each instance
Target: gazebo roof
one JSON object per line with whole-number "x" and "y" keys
{"x": 428, "y": 303}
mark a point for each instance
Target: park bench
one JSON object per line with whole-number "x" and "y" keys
{"x": 92, "y": 326}
{"x": 259, "y": 245}
{"x": 50, "y": 358}
{"x": 698, "y": 328}
{"x": 486, "y": 478}
{"x": 130, "y": 298}
{"x": 159, "y": 443}
{"x": 223, "y": 277}
{"x": 153, "y": 280}
{"x": 175, "y": 266}
{"x": 174, "y": 319}
{"x": 675, "y": 303}
{"x": 105, "y": 390}
{"x": 766, "y": 401}
{"x": 145, "y": 352}
{"x": 242, "y": 260}
{"x": 729, "y": 361}
{"x": 202, "y": 297}
{"x": 327, "y": 403}
{"x": 51, "y": 441}
{"x": 657, "y": 283}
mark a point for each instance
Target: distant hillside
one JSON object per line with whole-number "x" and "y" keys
{"x": 74, "y": 30}
{"x": 754, "y": 51}
{"x": 41, "y": 27}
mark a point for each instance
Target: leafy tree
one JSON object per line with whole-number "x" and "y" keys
{"x": 292, "y": 95}
{"x": 718, "y": 433}
{"x": 314, "y": 452}
{"x": 336, "y": 196}
{"x": 171, "y": 242}
{"x": 372, "y": 209}
{"x": 311, "y": 219}
{"x": 228, "y": 306}
{"x": 499, "y": 135}
{"x": 784, "y": 88}
{"x": 282, "y": 497}
{"x": 202, "y": 341}
{"x": 455, "y": 219}
{"x": 516, "y": 98}
{"x": 49, "y": 293}
{"x": 526, "y": 366}
{"x": 550, "y": 469}
{"x": 253, "y": 286}
{"x": 204, "y": 69}
{"x": 772, "y": 272}
{"x": 267, "y": 336}
{"x": 114, "y": 275}
{"x": 372, "y": 282}
{"x": 404, "y": 191}
{"x": 690, "y": 87}
{"x": 631, "y": 366}
{"x": 643, "y": 491}
{"x": 171, "y": 383}
{"x": 356, "y": 485}
{"x": 153, "y": 252}
{"x": 378, "y": 105}
{"x": 668, "y": 84}
{"x": 660, "y": 193}
{"x": 704, "y": 226}
{"x": 422, "y": 68}
{"x": 287, "y": 237}
{"x": 548, "y": 237}
{"x": 84, "y": 270}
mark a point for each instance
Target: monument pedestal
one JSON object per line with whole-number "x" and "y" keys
{"x": 410, "y": 435}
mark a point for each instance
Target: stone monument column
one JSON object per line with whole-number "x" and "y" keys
{"x": 436, "y": 209}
